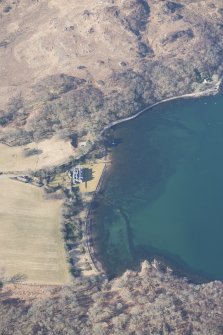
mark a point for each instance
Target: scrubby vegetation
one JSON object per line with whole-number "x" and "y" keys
{"x": 72, "y": 224}
{"x": 146, "y": 51}
{"x": 147, "y": 302}
{"x": 167, "y": 62}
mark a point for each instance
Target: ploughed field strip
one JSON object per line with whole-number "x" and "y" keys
{"x": 31, "y": 242}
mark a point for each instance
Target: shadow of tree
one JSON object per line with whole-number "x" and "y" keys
{"x": 6, "y": 293}
{"x": 87, "y": 174}
{"x": 16, "y": 279}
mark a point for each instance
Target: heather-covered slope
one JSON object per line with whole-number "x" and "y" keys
{"x": 74, "y": 67}
{"x": 147, "y": 302}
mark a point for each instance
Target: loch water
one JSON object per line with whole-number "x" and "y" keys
{"x": 163, "y": 196}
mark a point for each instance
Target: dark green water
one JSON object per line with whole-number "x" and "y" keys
{"x": 164, "y": 193}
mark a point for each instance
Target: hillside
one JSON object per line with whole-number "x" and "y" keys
{"x": 68, "y": 69}
{"x": 138, "y": 303}
{"x": 73, "y": 67}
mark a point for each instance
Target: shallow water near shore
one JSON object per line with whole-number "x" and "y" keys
{"x": 163, "y": 196}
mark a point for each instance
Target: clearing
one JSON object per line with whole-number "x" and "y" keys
{"x": 92, "y": 173}
{"x": 34, "y": 156}
{"x": 31, "y": 242}
{"x": 96, "y": 171}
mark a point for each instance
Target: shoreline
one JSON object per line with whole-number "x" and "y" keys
{"x": 95, "y": 263}
{"x": 211, "y": 91}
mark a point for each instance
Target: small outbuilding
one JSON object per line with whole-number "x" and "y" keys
{"x": 82, "y": 144}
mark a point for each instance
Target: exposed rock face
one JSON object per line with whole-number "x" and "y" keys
{"x": 80, "y": 65}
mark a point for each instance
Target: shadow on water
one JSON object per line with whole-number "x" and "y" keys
{"x": 166, "y": 259}
{"x": 112, "y": 259}
{"x": 177, "y": 123}
{"x": 178, "y": 266}
{"x": 112, "y": 142}
{"x": 142, "y": 168}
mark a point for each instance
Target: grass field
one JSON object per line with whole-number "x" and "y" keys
{"x": 31, "y": 242}
{"x": 91, "y": 185}
{"x": 52, "y": 152}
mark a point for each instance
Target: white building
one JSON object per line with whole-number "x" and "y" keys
{"x": 77, "y": 175}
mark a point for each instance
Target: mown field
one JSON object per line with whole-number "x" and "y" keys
{"x": 31, "y": 242}
{"x": 93, "y": 170}
{"x": 96, "y": 172}
{"x": 34, "y": 156}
